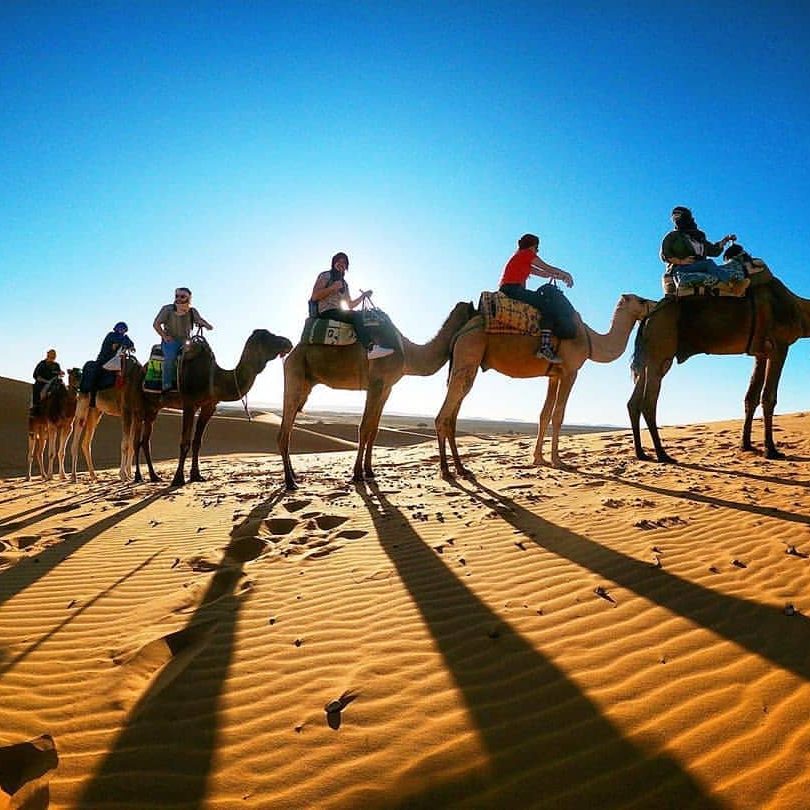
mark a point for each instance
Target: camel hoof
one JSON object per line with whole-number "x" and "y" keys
{"x": 155, "y": 479}
{"x": 665, "y": 458}
{"x": 469, "y": 475}
{"x": 196, "y": 478}
{"x": 747, "y": 447}
{"x": 642, "y": 456}
{"x": 368, "y": 474}
{"x": 290, "y": 485}
{"x": 178, "y": 481}
{"x": 774, "y": 454}
{"x": 445, "y": 474}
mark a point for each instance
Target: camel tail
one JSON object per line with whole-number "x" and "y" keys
{"x": 637, "y": 363}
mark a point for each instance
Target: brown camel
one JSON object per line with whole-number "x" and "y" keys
{"x": 514, "y": 355}
{"x": 770, "y": 317}
{"x": 347, "y": 367}
{"x": 203, "y": 386}
{"x": 115, "y": 401}
{"x": 53, "y": 424}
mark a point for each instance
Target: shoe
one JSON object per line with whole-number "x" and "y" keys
{"x": 379, "y": 351}
{"x": 547, "y": 353}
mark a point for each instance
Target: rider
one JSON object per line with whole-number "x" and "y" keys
{"x": 524, "y": 263}
{"x": 687, "y": 247}
{"x": 174, "y": 324}
{"x": 45, "y": 371}
{"x": 331, "y": 300}
{"x": 114, "y": 341}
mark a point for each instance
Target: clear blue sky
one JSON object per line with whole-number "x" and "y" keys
{"x": 234, "y": 147}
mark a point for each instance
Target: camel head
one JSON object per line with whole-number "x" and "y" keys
{"x": 74, "y": 376}
{"x": 637, "y": 306}
{"x": 267, "y": 346}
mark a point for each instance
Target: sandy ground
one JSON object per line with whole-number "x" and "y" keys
{"x": 615, "y": 634}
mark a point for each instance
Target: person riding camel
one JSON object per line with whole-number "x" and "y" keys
{"x": 524, "y": 263}
{"x": 686, "y": 249}
{"x": 45, "y": 372}
{"x": 113, "y": 342}
{"x": 174, "y": 323}
{"x": 331, "y": 300}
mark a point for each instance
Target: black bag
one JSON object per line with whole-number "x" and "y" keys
{"x": 558, "y": 313}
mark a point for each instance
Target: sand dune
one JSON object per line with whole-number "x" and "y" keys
{"x": 617, "y": 634}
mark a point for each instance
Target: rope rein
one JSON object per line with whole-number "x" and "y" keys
{"x": 241, "y": 396}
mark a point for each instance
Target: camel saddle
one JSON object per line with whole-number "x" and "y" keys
{"x": 328, "y": 333}
{"x": 685, "y": 284}
{"x": 504, "y": 315}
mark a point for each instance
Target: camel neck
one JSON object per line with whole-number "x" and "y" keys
{"x": 422, "y": 360}
{"x": 608, "y": 347}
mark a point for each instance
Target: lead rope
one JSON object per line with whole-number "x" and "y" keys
{"x": 241, "y": 396}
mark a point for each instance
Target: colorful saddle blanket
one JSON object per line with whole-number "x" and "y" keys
{"x": 727, "y": 281}
{"x": 503, "y": 314}
{"x": 328, "y": 333}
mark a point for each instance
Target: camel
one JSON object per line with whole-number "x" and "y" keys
{"x": 347, "y": 367}
{"x": 203, "y": 386}
{"x": 115, "y": 401}
{"x": 726, "y": 325}
{"x": 514, "y": 356}
{"x": 53, "y": 425}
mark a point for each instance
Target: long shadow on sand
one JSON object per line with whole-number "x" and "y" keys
{"x": 31, "y": 569}
{"x": 763, "y": 511}
{"x": 548, "y": 744}
{"x": 13, "y": 523}
{"x": 761, "y": 629}
{"x": 164, "y": 753}
{"x": 767, "y": 479}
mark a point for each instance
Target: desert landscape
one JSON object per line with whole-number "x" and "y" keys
{"x": 613, "y": 634}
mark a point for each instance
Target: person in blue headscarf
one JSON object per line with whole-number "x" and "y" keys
{"x": 113, "y": 342}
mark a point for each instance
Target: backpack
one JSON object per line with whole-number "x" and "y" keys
{"x": 557, "y": 311}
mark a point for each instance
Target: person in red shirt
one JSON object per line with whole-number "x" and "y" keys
{"x": 526, "y": 262}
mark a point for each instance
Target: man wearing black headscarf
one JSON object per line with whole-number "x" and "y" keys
{"x": 687, "y": 249}
{"x": 687, "y": 244}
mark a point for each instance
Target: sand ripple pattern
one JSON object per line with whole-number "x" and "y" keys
{"x": 616, "y": 634}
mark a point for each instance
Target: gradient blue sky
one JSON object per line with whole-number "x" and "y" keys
{"x": 234, "y": 147}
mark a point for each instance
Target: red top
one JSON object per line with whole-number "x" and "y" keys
{"x": 518, "y": 268}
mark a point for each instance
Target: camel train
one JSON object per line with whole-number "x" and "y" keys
{"x": 734, "y": 308}
{"x": 204, "y": 386}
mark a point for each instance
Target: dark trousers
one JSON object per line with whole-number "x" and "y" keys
{"x": 518, "y": 293}
{"x": 352, "y": 317}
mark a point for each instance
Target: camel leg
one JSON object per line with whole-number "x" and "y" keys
{"x": 185, "y": 443}
{"x": 634, "y": 411}
{"x": 53, "y": 441}
{"x": 144, "y": 442}
{"x": 369, "y": 428}
{"x": 79, "y": 422}
{"x": 460, "y": 384}
{"x": 87, "y": 422}
{"x": 649, "y": 409}
{"x": 295, "y": 396}
{"x": 752, "y": 396}
{"x": 545, "y": 418}
{"x": 35, "y": 450}
{"x": 772, "y": 375}
{"x": 206, "y": 412}
{"x": 564, "y": 388}
{"x": 64, "y": 436}
{"x": 126, "y": 445}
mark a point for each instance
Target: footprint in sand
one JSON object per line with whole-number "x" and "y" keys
{"x": 329, "y": 522}
{"x": 351, "y": 534}
{"x": 25, "y": 763}
{"x": 295, "y": 506}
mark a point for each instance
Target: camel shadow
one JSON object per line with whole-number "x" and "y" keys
{"x": 31, "y": 569}
{"x": 762, "y": 511}
{"x": 540, "y": 732}
{"x": 767, "y": 479}
{"x": 761, "y": 629}
{"x": 165, "y": 750}
{"x": 14, "y": 523}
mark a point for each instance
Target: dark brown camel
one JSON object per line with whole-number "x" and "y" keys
{"x": 764, "y": 323}
{"x": 53, "y": 424}
{"x": 348, "y": 367}
{"x": 203, "y": 386}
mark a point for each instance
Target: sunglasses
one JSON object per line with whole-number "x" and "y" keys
{"x": 181, "y": 298}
